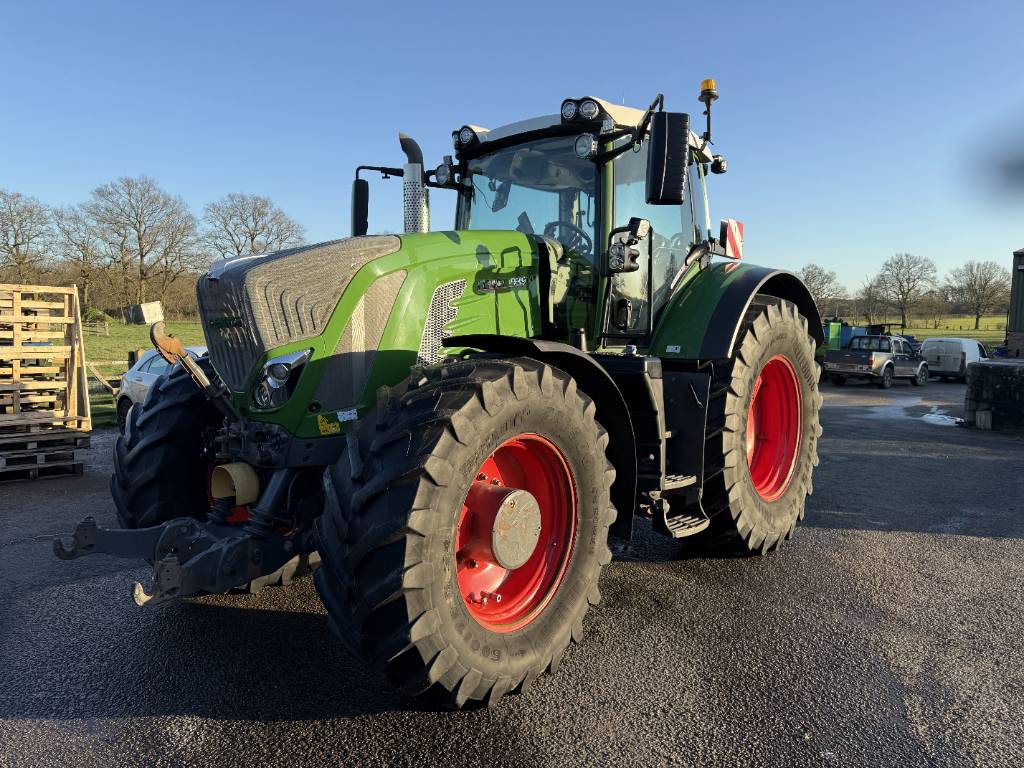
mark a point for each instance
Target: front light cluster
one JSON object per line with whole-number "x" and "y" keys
{"x": 582, "y": 110}
{"x": 465, "y": 137}
{"x": 585, "y": 146}
{"x": 278, "y": 379}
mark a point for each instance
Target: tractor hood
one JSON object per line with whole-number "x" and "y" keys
{"x": 255, "y": 303}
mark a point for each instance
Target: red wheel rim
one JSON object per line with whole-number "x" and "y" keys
{"x": 774, "y": 426}
{"x": 500, "y": 598}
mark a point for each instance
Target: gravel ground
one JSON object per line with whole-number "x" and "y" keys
{"x": 886, "y": 633}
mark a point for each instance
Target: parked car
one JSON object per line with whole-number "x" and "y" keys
{"x": 140, "y": 377}
{"x": 949, "y": 358}
{"x": 879, "y": 359}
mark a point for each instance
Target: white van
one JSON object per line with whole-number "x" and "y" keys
{"x": 949, "y": 358}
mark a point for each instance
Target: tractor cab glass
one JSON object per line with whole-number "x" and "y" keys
{"x": 634, "y": 294}
{"x": 542, "y": 188}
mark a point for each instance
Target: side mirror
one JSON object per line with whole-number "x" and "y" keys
{"x": 667, "y": 158}
{"x": 360, "y": 207}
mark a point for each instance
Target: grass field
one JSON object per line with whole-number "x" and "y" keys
{"x": 992, "y": 331}
{"x": 110, "y": 355}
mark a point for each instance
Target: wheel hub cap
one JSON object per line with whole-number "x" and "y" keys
{"x": 507, "y": 525}
{"x": 515, "y": 533}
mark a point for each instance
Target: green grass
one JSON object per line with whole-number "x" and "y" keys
{"x": 110, "y": 355}
{"x": 122, "y": 338}
{"x": 992, "y": 330}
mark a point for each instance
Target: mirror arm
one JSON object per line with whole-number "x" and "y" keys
{"x": 382, "y": 170}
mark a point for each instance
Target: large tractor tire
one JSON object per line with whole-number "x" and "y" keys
{"x": 469, "y": 530}
{"x": 762, "y": 436}
{"x": 159, "y": 470}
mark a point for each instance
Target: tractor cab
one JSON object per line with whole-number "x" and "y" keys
{"x": 580, "y": 182}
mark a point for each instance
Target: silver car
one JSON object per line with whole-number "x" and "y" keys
{"x": 136, "y": 382}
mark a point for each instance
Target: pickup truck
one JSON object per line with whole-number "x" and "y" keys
{"x": 879, "y": 359}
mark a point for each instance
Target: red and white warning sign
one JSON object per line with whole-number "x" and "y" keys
{"x": 731, "y": 238}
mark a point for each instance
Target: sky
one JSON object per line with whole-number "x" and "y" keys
{"x": 853, "y": 130}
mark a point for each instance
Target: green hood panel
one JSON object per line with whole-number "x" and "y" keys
{"x": 393, "y": 312}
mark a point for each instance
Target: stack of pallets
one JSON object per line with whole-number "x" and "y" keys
{"x": 44, "y": 400}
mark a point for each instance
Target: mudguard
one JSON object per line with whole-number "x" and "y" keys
{"x": 702, "y": 320}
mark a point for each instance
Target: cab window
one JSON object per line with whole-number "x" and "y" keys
{"x": 672, "y": 230}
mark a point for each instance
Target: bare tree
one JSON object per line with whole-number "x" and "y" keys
{"x": 823, "y": 285}
{"x": 241, "y": 224}
{"x": 935, "y": 305}
{"x": 870, "y": 299}
{"x": 25, "y": 233}
{"x": 80, "y": 246}
{"x": 904, "y": 279}
{"x": 981, "y": 286}
{"x": 150, "y": 237}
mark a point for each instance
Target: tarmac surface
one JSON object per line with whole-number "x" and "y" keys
{"x": 888, "y": 632}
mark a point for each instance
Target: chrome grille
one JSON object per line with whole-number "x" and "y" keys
{"x": 441, "y": 313}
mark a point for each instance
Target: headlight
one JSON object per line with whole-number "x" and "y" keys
{"x": 589, "y": 109}
{"x": 466, "y": 136}
{"x": 277, "y": 382}
{"x": 443, "y": 174}
{"x": 568, "y": 109}
{"x": 585, "y": 146}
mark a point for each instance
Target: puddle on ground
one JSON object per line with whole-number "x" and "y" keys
{"x": 935, "y": 415}
{"x": 941, "y": 417}
{"x": 894, "y": 410}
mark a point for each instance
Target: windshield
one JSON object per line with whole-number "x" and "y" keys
{"x": 537, "y": 188}
{"x": 542, "y": 188}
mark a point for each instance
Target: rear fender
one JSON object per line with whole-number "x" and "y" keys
{"x": 612, "y": 410}
{"x": 703, "y": 320}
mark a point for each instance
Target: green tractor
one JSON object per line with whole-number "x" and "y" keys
{"x": 452, "y": 424}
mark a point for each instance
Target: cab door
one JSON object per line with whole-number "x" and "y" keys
{"x": 903, "y": 358}
{"x": 635, "y": 297}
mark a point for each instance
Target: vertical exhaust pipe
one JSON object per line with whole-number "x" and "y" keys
{"x": 415, "y": 202}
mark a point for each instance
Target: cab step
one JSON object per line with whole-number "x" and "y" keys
{"x": 686, "y": 523}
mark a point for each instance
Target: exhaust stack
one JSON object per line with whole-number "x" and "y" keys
{"x": 415, "y": 201}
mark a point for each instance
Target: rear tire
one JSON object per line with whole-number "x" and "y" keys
{"x": 839, "y": 381}
{"x": 753, "y": 505}
{"x": 392, "y": 578}
{"x": 921, "y": 378}
{"x": 885, "y": 382}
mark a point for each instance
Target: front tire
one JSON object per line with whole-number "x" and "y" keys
{"x": 839, "y": 381}
{"x": 412, "y": 577}
{"x": 160, "y": 472}
{"x": 762, "y": 435}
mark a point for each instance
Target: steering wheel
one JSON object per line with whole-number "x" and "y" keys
{"x": 570, "y": 236}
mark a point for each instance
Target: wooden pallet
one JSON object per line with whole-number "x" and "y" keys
{"x": 44, "y": 397}
{"x": 67, "y": 469}
{"x": 42, "y": 361}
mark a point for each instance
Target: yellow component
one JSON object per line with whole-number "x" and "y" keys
{"x": 238, "y": 480}
{"x": 327, "y": 427}
{"x": 708, "y": 85}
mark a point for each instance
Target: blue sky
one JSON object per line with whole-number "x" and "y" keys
{"x": 852, "y": 130}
